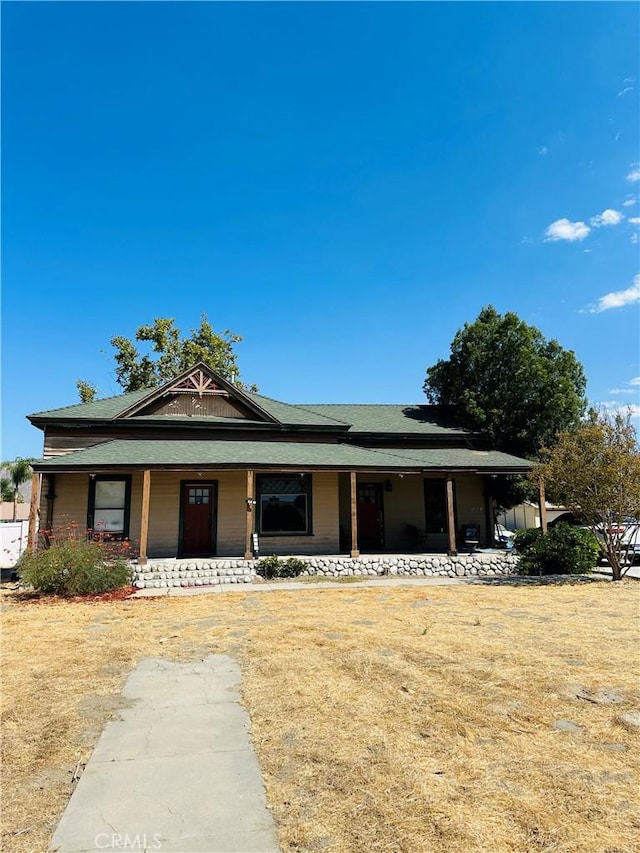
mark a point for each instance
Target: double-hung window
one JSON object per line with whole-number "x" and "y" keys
{"x": 284, "y": 505}
{"x": 109, "y": 505}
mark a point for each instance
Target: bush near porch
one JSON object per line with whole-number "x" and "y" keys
{"x": 562, "y": 550}
{"x": 76, "y": 564}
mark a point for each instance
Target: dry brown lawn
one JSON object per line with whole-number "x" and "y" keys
{"x": 385, "y": 719}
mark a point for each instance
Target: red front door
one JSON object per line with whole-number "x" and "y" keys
{"x": 198, "y": 511}
{"x": 370, "y": 518}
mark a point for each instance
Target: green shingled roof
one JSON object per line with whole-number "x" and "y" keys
{"x": 274, "y": 454}
{"x": 104, "y": 409}
{"x": 287, "y": 413}
{"x": 407, "y": 418}
{"x": 110, "y": 407}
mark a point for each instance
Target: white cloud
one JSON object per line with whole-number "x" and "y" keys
{"x": 543, "y": 150}
{"x": 630, "y": 200}
{"x": 634, "y": 220}
{"x": 634, "y": 174}
{"x": 625, "y": 91}
{"x": 635, "y": 239}
{"x": 613, "y": 407}
{"x": 564, "y": 229}
{"x": 607, "y": 217}
{"x": 618, "y": 298}
{"x": 631, "y": 387}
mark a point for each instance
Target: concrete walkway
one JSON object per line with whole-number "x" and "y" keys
{"x": 284, "y": 586}
{"x": 177, "y": 773}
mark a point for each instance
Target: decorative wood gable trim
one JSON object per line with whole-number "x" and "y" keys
{"x": 201, "y": 383}
{"x": 196, "y": 382}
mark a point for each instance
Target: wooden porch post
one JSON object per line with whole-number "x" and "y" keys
{"x": 354, "y": 514}
{"x": 542, "y": 502}
{"x": 248, "y": 547}
{"x": 50, "y": 496}
{"x": 451, "y": 518}
{"x": 32, "y": 539}
{"x": 144, "y": 521}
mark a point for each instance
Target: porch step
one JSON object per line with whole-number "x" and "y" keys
{"x": 167, "y": 573}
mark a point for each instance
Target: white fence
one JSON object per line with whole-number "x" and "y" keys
{"x": 13, "y": 541}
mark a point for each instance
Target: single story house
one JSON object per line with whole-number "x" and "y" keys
{"x": 199, "y": 467}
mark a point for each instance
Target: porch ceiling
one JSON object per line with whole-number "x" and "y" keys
{"x": 163, "y": 454}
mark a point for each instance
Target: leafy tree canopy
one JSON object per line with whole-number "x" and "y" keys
{"x": 594, "y": 470}
{"x": 504, "y": 379}
{"x": 170, "y": 355}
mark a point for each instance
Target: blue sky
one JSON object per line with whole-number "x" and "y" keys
{"x": 345, "y": 185}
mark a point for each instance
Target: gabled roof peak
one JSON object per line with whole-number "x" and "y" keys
{"x": 200, "y": 380}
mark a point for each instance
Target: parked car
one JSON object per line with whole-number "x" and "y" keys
{"x": 628, "y": 531}
{"x": 503, "y": 538}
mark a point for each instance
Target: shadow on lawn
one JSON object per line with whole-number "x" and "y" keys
{"x": 535, "y": 580}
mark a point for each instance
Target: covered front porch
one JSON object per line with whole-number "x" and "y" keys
{"x": 203, "y": 512}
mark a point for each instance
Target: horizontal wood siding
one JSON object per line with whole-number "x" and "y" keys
{"x": 59, "y": 440}
{"x": 191, "y": 405}
{"x": 232, "y": 513}
{"x": 164, "y": 514}
{"x": 70, "y": 505}
{"x": 470, "y": 504}
{"x": 325, "y": 538}
{"x": 72, "y": 498}
{"x": 403, "y": 506}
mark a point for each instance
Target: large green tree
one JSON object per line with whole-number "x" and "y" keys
{"x": 169, "y": 354}
{"x": 504, "y": 379}
{"x": 594, "y": 470}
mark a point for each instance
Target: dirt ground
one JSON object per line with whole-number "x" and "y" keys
{"x": 462, "y": 718}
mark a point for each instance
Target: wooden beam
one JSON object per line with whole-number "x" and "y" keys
{"x": 144, "y": 519}
{"x": 451, "y": 518}
{"x": 542, "y": 502}
{"x": 354, "y": 514}
{"x": 50, "y": 496}
{"x": 251, "y": 503}
{"x": 32, "y": 540}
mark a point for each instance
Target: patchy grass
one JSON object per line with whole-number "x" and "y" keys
{"x": 386, "y": 719}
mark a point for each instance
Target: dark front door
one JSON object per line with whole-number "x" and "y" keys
{"x": 435, "y": 507}
{"x": 370, "y": 518}
{"x": 198, "y": 519}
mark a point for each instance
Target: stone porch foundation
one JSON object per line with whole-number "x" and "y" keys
{"x": 210, "y": 572}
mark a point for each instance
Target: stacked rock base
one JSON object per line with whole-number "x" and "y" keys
{"x": 168, "y": 573}
{"x": 164, "y": 573}
{"x": 429, "y": 565}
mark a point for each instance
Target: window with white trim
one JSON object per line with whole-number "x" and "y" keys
{"x": 109, "y": 505}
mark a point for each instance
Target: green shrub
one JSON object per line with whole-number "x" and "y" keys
{"x": 563, "y": 550}
{"x": 74, "y": 566}
{"x": 274, "y": 567}
{"x": 292, "y": 568}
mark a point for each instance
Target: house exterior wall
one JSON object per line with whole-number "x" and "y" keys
{"x": 325, "y": 538}
{"x": 72, "y": 494}
{"x": 403, "y": 506}
{"x": 58, "y": 441}
{"x": 471, "y": 505}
